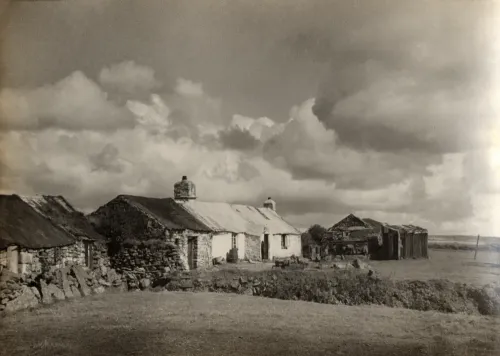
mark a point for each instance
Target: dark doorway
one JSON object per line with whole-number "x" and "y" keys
{"x": 89, "y": 254}
{"x": 265, "y": 247}
{"x": 192, "y": 248}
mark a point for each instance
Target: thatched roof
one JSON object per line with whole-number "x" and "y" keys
{"x": 167, "y": 211}
{"x": 61, "y": 213}
{"x": 22, "y": 225}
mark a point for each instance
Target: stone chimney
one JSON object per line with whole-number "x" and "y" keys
{"x": 184, "y": 189}
{"x": 270, "y": 204}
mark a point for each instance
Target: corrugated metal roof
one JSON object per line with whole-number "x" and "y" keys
{"x": 61, "y": 213}
{"x": 238, "y": 218}
{"x": 22, "y": 225}
{"x": 410, "y": 228}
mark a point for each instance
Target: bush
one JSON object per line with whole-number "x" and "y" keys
{"x": 348, "y": 287}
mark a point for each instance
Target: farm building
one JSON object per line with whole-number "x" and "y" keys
{"x": 43, "y": 232}
{"x": 192, "y": 233}
{"x": 385, "y": 242}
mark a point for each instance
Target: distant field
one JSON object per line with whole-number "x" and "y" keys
{"x": 168, "y": 323}
{"x": 464, "y": 239}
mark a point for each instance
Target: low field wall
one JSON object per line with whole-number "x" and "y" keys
{"x": 344, "y": 286}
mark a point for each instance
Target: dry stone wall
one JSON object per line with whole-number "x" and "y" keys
{"x": 19, "y": 292}
{"x": 36, "y": 261}
{"x": 146, "y": 260}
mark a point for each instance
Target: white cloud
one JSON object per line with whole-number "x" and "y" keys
{"x": 188, "y": 88}
{"x": 143, "y": 158}
{"x": 73, "y": 103}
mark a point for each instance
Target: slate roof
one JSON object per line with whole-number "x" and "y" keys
{"x": 236, "y": 218}
{"x": 22, "y": 225}
{"x": 61, "y": 213}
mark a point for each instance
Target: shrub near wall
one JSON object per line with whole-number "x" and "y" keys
{"x": 354, "y": 287}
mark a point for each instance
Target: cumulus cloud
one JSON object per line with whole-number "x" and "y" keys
{"x": 129, "y": 77}
{"x": 73, "y": 103}
{"x": 188, "y": 88}
{"x": 302, "y": 162}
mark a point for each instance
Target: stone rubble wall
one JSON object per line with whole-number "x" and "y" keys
{"x": 146, "y": 260}
{"x": 26, "y": 291}
{"x": 36, "y": 261}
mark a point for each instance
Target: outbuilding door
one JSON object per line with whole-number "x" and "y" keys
{"x": 265, "y": 247}
{"x": 192, "y": 247}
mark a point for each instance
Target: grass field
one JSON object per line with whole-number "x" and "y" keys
{"x": 147, "y": 323}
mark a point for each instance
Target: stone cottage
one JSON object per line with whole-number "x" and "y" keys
{"x": 43, "y": 232}
{"x": 185, "y": 233}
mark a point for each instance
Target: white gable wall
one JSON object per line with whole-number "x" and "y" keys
{"x": 221, "y": 245}
{"x": 294, "y": 246}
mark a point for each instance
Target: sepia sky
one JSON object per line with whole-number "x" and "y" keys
{"x": 387, "y": 109}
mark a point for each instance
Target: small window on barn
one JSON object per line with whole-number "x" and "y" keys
{"x": 177, "y": 241}
{"x": 284, "y": 242}
{"x": 233, "y": 241}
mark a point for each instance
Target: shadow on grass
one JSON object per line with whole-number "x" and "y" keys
{"x": 84, "y": 340}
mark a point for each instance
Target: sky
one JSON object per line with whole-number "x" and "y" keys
{"x": 384, "y": 109}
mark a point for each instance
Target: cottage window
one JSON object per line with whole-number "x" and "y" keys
{"x": 233, "y": 241}
{"x": 284, "y": 242}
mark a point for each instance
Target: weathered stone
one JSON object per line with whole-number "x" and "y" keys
{"x": 63, "y": 282}
{"x": 7, "y": 275}
{"x": 36, "y": 293}
{"x": 102, "y": 282}
{"x": 112, "y": 275}
{"x": 104, "y": 270}
{"x": 243, "y": 280}
{"x": 26, "y": 300}
{"x": 248, "y": 291}
{"x": 5, "y": 301}
{"x": 358, "y": 264}
{"x": 99, "y": 290}
{"x": 76, "y": 292}
{"x": 235, "y": 285}
{"x": 123, "y": 287}
{"x": 55, "y": 292}
{"x": 186, "y": 284}
{"x": 46, "y": 296}
{"x": 144, "y": 283}
{"x": 81, "y": 275}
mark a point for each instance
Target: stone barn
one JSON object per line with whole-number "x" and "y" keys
{"x": 40, "y": 233}
{"x": 188, "y": 233}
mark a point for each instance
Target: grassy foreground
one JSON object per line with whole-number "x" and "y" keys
{"x": 166, "y": 323}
